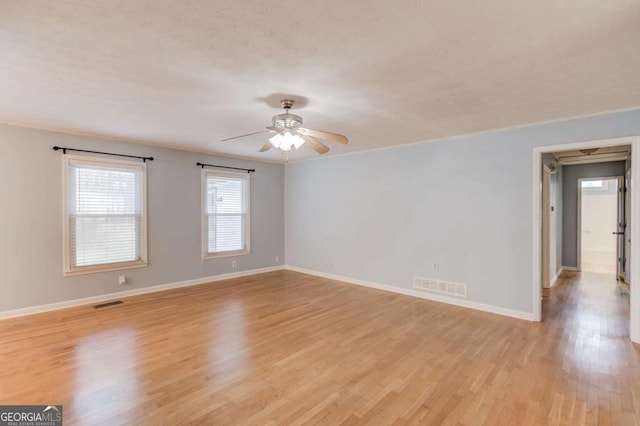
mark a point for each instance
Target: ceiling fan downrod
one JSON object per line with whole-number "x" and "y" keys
{"x": 287, "y": 104}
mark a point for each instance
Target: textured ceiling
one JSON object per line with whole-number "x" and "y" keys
{"x": 188, "y": 73}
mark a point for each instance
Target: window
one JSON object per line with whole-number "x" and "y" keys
{"x": 593, "y": 184}
{"x": 225, "y": 224}
{"x": 105, "y": 214}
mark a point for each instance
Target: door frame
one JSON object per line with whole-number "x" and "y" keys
{"x": 627, "y": 227}
{"x": 579, "y": 219}
{"x": 536, "y": 194}
{"x": 545, "y": 261}
{"x": 621, "y": 225}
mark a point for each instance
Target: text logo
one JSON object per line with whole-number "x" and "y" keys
{"x": 30, "y": 415}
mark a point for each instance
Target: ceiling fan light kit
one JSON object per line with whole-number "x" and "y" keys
{"x": 289, "y": 133}
{"x": 284, "y": 141}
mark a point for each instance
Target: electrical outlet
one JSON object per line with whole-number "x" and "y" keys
{"x": 277, "y": 259}
{"x": 122, "y": 280}
{"x": 234, "y": 264}
{"x": 436, "y": 266}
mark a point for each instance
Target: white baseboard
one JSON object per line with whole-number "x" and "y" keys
{"x": 187, "y": 283}
{"x": 554, "y": 279}
{"x": 570, "y": 268}
{"x": 110, "y": 296}
{"x": 422, "y": 295}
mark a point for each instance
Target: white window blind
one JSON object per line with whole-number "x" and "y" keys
{"x": 226, "y": 223}
{"x": 106, "y": 221}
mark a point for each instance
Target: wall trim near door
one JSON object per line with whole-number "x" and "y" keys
{"x": 570, "y": 268}
{"x": 555, "y": 278}
{"x": 135, "y": 292}
{"x": 528, "y": 316}
{"x": 536, "y": 202}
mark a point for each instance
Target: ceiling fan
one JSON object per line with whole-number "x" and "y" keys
{"x": 289, "y": 133}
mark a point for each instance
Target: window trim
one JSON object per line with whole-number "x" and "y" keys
{"x": 203, "y": 214}
{"x": 66, "y": 255}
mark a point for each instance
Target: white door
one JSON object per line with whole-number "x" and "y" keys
{"x": 599, "y": 241}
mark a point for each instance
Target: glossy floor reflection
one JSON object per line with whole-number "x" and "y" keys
{"x": 289, "y": 348}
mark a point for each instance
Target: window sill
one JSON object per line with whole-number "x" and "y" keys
{"x": 106, "y": 268}
{"x": 225, "y": 254}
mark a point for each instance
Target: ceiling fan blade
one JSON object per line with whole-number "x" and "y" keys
{"x": 266, "y": 147}
{"x": 276, "y": 129}
{"x": 323, "y": 135}
{"x": 270, "y": 129}
{"x": 315, "y": 144}
{"x": 248, "y": 134}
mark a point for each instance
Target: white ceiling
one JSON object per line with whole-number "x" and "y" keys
{"x": 188, "y": 73}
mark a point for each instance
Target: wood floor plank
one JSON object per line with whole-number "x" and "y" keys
{"x": 289, "y": 348}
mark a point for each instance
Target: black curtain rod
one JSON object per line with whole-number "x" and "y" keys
{"x": 225, "y": 167}
{"x": 64, "y": 151}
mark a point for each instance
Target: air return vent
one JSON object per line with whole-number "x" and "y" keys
{"x": 442, "y": 287}
{"x": 104, "y": 305}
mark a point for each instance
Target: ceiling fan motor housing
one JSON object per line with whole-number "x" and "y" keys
{"x": 287, "y": 121}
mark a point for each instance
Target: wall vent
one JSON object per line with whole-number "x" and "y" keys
{"x": 104, "y": 305}
{"x": 442, "y": 287}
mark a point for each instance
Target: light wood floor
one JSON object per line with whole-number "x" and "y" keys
{"x": 289, "y": 348}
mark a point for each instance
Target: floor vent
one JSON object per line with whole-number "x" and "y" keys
{"x": 442, "y": 287}
{"x": 104, "y": 305}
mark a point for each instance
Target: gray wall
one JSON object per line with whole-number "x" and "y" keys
{"x": 31, "y": 219}
{"x": 570, "y": 202}
{"x": 462, "y": 203}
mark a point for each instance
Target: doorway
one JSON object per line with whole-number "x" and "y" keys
{"x": 570, "y": 254}
{"x": 601, "y": 223}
